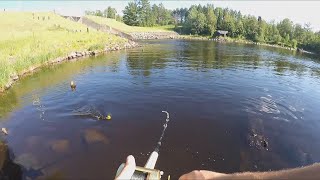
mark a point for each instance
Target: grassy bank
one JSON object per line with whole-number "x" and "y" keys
{"x": 129, "y": 29}
{"x": 32, "y": 39}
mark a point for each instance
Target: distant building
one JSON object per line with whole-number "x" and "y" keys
{"x": 221, "y": 33}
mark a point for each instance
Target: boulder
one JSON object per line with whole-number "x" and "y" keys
{"x": 14, "y": 76}
{"x": 73, "y": 55}
{"x": 28, "y": 161}
{"x": 60, "y": 146}
{"x": 92, "y": 136}
{"x": 9, "y": 84}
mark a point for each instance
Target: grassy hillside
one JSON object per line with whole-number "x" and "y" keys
{"x": 26, "y": 41}
{"x": 129, "y": 29}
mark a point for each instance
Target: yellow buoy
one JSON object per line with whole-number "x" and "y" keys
{"x": 108, "y": 117}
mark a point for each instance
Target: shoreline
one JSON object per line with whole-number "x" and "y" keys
{"x": 73, "y": 56}
{"x": 241, "y": 41}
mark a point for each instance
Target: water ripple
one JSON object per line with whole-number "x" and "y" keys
{"x": 267, "y": 105}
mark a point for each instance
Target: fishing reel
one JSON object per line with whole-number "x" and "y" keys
{"x": 148, "y": 172}
{"x": 142, "y": 173}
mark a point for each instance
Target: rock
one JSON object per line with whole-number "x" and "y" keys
{"x": 32, "y": 68}
{"x": 60, "y": 146}
{"x": 94, "y": 136}
{"x": 8, "y": 85}
{"x": 14, "y": 76}
{"x": 265, "y": 143}
{"x": 9, "y": 170}
{"x": 59, "y": 59}
{"x": 72, "y": 55}
{"x": 33, "y": 141}
{"x": 3, "y": 154}
{"x": 28, "y": 161}
{"x": 4, "y": 131}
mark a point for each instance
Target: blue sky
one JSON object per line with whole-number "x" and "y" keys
{"x": 299, "y": 11}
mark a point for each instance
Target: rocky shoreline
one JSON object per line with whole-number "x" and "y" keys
{"x": 154, "y": 35}
{"x": 76, "y": 55}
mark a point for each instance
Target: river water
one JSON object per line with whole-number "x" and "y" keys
{"x": 232, "y": 108}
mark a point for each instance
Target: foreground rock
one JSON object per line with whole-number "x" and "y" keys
{"x": 60, "y": 146}
{"x": 92, "y": 136}
{"x": 8, "y": 169}
{"x": 28, "y": 161}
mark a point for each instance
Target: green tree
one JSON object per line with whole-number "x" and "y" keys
{"x": 285, "y": 28}
{"x": 211, "y": 20}
{"x": 119, "y": 18}
{"x": 239, "y": 30}
{"x": 90, "y": 13}
{"x": 294, "y": 43}
{"x": 261, "y": 30}
{"x": 144, "y": 13}
{"x": 251, "y": 26}
{"x": 299, "y": 33}
{"x": 219, "y": 15}
{"x": 228, "y": 23}
{"x": 164, "y": 15}
{"x": 130, "y": 14}
{"x": 111, "y": 12}
{"x": 98, "y": 13}
{"x": 195, "y": 20}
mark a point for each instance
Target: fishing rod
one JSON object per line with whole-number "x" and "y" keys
{"x": 148, "y": 172}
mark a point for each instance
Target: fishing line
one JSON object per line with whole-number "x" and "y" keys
{"x": 165, "y": 125}
{"x": 39, "y": 106}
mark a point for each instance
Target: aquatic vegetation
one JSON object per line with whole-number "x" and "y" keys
{"x": 91, "y": 111}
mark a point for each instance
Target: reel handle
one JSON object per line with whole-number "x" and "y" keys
{"x": 142, "y": 173}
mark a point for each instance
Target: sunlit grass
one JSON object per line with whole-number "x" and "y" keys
{"x": 26, "y": 41}
{"x": 129, "y": 29}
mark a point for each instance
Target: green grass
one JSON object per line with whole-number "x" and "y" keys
{"x": 26, "y": 41}
{"x": 129, "y": 29}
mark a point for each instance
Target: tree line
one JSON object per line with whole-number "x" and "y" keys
{"x": 206, "y": 20}
{"x": 109, "y": 12}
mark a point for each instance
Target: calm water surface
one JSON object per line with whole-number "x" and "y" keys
{"x": 232, "y": 108}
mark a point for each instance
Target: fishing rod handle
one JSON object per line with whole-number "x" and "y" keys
{"x": 142, "y": 173}
{"x": 151, "y": 163}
